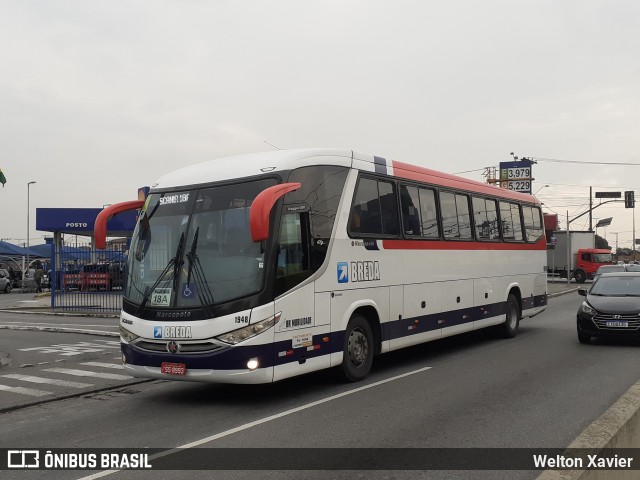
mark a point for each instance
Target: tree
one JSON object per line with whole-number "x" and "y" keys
{"x": 602, "y": 243}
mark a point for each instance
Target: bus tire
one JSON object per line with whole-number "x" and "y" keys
{"x": 358, "y": 349}
{"x": 509, "y": 328}
{"x": 580, "y": 276}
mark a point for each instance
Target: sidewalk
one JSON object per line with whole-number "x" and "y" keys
{"x": 558, "y": 286}
{"x": 17, "y": 302}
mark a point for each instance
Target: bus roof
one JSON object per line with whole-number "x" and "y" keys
{"x": 253, "y": 164}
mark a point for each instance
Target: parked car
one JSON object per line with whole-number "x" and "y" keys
{"x": 632, "y": 267}
{"x": 609, "y": 269}
{"x": 611, "y": 307}
{"x": 5, "y": 281}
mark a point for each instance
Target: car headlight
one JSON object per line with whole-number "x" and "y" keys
{"x": 252, "y": 330}
{"x": 126, "y": 335}
{"x": 586, "y": 308}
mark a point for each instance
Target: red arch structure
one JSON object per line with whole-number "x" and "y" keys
{"x": 100, "y": 227}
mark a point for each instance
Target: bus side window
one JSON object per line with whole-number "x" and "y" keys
{"x": 374, "y": 210}
{"x": 410, "y": 206}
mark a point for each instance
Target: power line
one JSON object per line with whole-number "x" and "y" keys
{"x": 557, "y": 160}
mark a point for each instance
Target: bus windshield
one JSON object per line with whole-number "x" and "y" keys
{"x": 193, "y": 248}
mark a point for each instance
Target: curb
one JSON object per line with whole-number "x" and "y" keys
{"x": 564, "y": 292}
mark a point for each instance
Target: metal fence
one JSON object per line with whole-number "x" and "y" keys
{"x": 85, "y": 280}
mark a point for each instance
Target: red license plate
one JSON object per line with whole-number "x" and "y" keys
{"x": 173, "y": 368}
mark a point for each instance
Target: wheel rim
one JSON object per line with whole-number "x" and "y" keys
{"x": 358, "y": 347}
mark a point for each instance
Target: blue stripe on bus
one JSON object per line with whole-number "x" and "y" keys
{"x": 235, "y": 358}
{"x": 380, "y": 165}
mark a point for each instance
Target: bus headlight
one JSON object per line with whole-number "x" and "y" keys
{"x": 126, "y": 335}
{"x": 252, "y": 330}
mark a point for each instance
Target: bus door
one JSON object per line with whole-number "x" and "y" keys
{"x": 299, "y": 333}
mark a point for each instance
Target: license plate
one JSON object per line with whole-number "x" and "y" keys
{"x": 617, "y": 324}
{"x": 173, "y": 368}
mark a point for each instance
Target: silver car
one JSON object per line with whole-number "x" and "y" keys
{"x": 5, "y": 281}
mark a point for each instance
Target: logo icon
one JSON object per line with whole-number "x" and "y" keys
{"x": 23, "y": 459}
{"x": 157, "y": 332}
{"x": 189, "y": 290}
{"x": 173, "y": 347}
{"x": 343, "y": 272}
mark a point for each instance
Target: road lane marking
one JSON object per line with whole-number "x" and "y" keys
{"x": 69, "y": 349}
{"x": 101, "y": 364}
{"x": 25, "y": 391}
{"x": 51, "y": 381}
{"x": 88, "y": 373}
{"x": 270, "y": 418}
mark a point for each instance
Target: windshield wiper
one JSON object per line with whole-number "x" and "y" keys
{"x": 171, "y": 263}
{"x": 206, "y": 297}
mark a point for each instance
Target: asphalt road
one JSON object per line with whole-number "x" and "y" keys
{"x": 538, "y": 390}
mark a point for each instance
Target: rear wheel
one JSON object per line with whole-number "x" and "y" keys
{"x": 509, "y": 328}
{"x": 7, "y": 288}
{"x": 358, "y": 349}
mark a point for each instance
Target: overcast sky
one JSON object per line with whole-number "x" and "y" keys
{"x": 98, "y": 98}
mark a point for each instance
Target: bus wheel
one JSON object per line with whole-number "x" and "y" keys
{"x": 509, "y": 328}
{"x": 358, "y": 349}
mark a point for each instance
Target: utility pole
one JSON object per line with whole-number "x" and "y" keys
{"x": 590, "y": 209}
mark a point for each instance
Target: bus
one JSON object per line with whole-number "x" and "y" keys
{"x": 260, "y": 267}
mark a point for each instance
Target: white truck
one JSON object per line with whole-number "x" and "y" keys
{"x": 581, "y": 258}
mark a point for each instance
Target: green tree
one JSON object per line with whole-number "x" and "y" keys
{"x": 602, "y": 243}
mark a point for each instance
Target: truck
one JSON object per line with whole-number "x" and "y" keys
{"x": 581, "y": 259}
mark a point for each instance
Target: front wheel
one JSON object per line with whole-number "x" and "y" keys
{"x": 358, "y": 349}
{"x": 580, "y": 276}
{"x": 7, "y": 288}
{"x": 509, "y": 328}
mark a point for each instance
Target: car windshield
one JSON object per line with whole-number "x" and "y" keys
{"x": 617, "y": 285}
{"x": 194, "y": 248}
{"x": 610, "y": 269}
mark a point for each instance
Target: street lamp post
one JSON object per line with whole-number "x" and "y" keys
{"x": 28, "y": 220}
{"x": 544, "y": 186}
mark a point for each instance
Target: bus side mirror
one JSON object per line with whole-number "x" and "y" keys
{"x": 261, "y": 209}
{"x": 100, "y": 227}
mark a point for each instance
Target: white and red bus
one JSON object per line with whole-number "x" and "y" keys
{"x": 255, "y": 268}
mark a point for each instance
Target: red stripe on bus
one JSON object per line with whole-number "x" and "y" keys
{"x": 426, "y": 175}
{"x": 444, "y": 245}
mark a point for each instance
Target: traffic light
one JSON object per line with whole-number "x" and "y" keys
{"x": 629, "y": 200}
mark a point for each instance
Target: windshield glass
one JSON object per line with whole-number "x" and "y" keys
{"x": 193, "y": 248}
{"x": 627, "y": 285}
{"x": 610, "y": 269}
{"x": 602, "y": 257}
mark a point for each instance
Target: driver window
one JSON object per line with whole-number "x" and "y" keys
{"x": 293, "y": 255}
